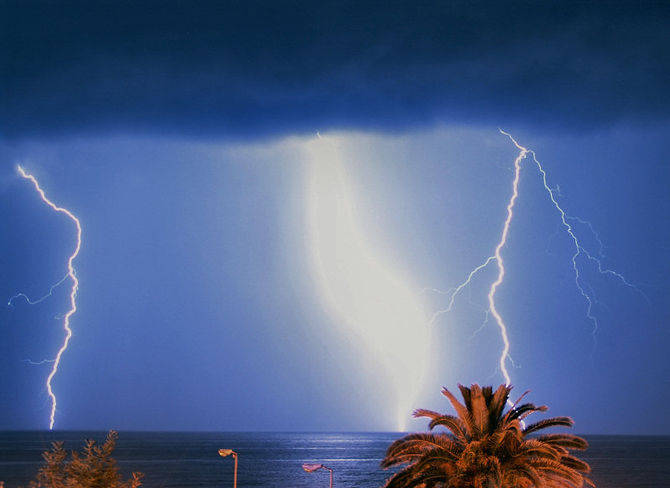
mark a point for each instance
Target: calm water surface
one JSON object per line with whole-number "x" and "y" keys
{"x": 190, "y": 460}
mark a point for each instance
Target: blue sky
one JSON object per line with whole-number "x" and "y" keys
{"x": 182, "y": 140}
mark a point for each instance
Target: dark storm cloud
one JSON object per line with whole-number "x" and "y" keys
{"x": 244, "y": 69}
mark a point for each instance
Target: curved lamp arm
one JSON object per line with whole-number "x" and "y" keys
{"x": 311, "y": 468}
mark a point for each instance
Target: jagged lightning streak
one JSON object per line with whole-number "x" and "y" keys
{"x": 73, "y": 291}
{"x": 501, "y": 266}
{"x": 38, "y": 363}
{"x": 28, "y": 300}
{"x": 568, "y": 228}
{"x": 601, "y": 245}
{"x": 363, "y": 291}
{"x": 497, "y": 257}
{"x": 458, "y": 289}
{"x": 579, "y": 250}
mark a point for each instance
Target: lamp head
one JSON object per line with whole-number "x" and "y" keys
{"x": 226, "y": 452}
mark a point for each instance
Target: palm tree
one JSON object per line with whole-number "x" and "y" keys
{"x": 486, "y": 447}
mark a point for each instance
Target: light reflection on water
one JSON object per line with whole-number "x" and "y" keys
{"x": 190, "y": 460}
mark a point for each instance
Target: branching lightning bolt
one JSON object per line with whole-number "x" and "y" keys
{"x": 568, "y": 228}
{"x": 73, "y": 292}
{"x": 458, "y": 289}
{"x": 28, "y": 300}
{"x": 579, "y": 249}
{"x": 38, "y": 363}
{"x": 601, "y": 246}
{"x": 501, "y": 267}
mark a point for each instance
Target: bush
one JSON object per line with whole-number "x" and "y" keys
{"x": 93, "y": 467}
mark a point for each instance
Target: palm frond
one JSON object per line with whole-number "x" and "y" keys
{"x": 479, "y": 409}
{"x": 518, "y": 400}
{"x": 466, "y": 394}
{"x": 487, "y": 391}
{"x": 533, "y": 447}
{"x": 498, "y": 402}
{"x": 568, "y": 441}
{"x": 454, "y": 424}
{"x": 527, "y": 472}
{"x": 546, "y": 423}
{"x": 556, "y": 468}
{"x": 414, "y": 476}
{"x": 422, "y": 412}
{"x": 415, "y": 446}
{"x": 484, "y": 445}
{"x": 588, "y": 482}
{"x": 522, "y": 411}
{"x": 461, "y": 410}
{"x": 574, "y": 463}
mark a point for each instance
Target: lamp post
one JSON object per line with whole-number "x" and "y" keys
{"x": 228, "y": 452}
{"x": 310, "y": 468}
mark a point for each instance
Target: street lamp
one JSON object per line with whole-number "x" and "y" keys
{"x": 310, "y": 468}
{"x": 228, "y": 452}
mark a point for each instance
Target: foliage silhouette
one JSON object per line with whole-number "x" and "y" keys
{"x": 486, "y": 447}
{"x": 93, "y": 467}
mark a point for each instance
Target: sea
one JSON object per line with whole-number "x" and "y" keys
{"x": 191, "y": 460}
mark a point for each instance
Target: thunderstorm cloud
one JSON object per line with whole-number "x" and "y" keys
{"x": 255, "y": 69}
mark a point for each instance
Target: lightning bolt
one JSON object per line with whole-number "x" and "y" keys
{"x": 73, "y": 292}
{"x": 458, "y": 289}
{"x": 601, "y": 246}
{"x": 359, "y": 288}
{"x": 38, "y": 363}
{"x": 501, "y": 266}
{"x": 579, "y": 250}
{"x": 497, "y": 257}
{"x": 28, "y": 300}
